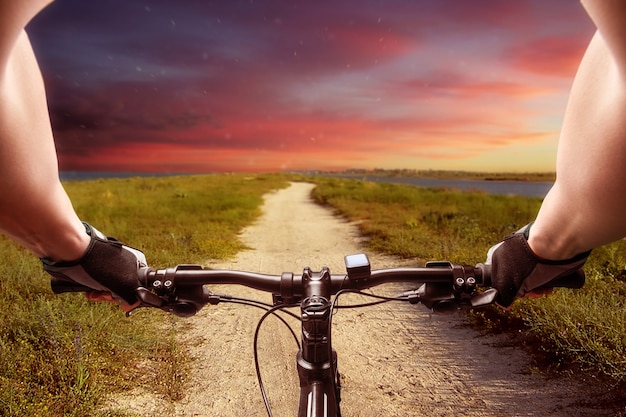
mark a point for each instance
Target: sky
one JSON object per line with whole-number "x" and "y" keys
{"x": 273, "y": 85}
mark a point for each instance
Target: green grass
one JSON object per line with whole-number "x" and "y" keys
{"x": 59, "y": 355}
{"x": 585, "y": 328}
{"x": 174, "y": 219}
{"x": 426, "y": 224}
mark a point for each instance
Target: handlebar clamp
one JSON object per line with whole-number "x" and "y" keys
{"x": 161, "y": 291}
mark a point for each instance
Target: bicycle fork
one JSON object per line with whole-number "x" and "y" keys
{"x": 319, "y": 380}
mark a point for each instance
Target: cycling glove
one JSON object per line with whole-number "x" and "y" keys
{"x": 516, "y": 270}
{"x": 107, "y": 265}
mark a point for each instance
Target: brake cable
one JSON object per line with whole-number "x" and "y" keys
{"x": 269, "y": 312}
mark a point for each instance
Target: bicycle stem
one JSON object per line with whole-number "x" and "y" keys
{"x": 315, "y": 311}
{"x": 318, "y": 379}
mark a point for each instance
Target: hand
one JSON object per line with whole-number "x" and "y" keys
{"x": 107, "y": 297}
{"x": 108, "y": 266}
{"x": 516, "y": 271}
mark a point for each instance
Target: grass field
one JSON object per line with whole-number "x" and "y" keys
{"x": 60, "y": 355}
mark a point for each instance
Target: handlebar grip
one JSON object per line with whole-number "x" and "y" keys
{"x": 574, "y": 280}
{"x": 485, "y": 274}
{"x": 61, "y": 284}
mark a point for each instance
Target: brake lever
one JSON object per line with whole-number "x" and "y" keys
{"x": 148, "y": 298}
{"x": 484, "y": 298}
{"x": 442, "y": 300}
{"x": 184, "y": 301}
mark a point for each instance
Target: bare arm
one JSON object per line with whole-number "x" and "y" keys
{"x": 608, "y": 16}
{"x": 34, "y": 208}
{"x": 585, "y": 208}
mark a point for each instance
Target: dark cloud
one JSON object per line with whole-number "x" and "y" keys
{"x": 133, "y": 106}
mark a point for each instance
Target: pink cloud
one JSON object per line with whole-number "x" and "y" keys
{"x": 550, "y": 56}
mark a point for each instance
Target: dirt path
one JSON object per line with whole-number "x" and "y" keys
{"x": 396, "y": 360}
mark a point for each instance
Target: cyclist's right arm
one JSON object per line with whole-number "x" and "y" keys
{"x": 585, "y": 207}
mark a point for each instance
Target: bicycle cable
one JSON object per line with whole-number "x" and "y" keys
{"x": 270, "y": 311}
{"x": 259, "y": 304}
{"x": 381, "y": 299}
{"x": 333, "y": 306}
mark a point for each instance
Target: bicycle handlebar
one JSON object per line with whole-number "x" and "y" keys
{"x": 442, "y": 287}
{"x": 291, "y": 284}
{"x": 181, "y": 289}
{"x": 184, "y": 282}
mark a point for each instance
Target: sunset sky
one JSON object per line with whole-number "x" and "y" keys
{"x": 255, "y": 85}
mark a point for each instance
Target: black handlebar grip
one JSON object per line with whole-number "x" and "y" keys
{"x": 61, "y": 284}
{"x": 575, "y": 280}
{"x": 485, "y": 274}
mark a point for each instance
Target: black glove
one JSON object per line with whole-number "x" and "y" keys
{"x": 516, "y": 270}
{"x": 107, "y": 265}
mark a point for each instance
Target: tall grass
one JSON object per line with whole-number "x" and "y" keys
{"x": 59, "y": 355}
{"x": 174, "y": 219}
{"x": 582, "y": 327}
{"x": 423, "y": 223}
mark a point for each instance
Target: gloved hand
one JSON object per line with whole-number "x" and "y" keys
{"x": 107, "y": 265}
{"x": 517, "y": 271}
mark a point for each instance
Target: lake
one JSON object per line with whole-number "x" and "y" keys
{"x": 521, "y": 188}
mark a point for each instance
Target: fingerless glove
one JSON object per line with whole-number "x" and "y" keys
{"x": 516, "y": 270}
{"x": 107, "y": 265}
